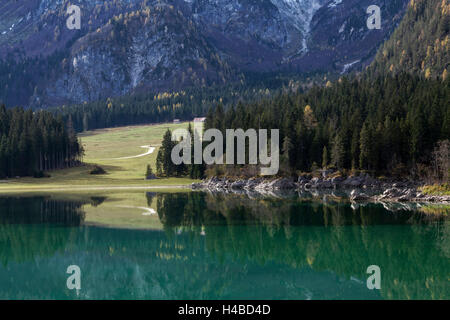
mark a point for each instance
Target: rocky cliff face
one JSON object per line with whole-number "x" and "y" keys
{"x": 129, "y": 45}
{"x": 340, "y": 39}
{"x": 160, "y": 49}
{"x": 257, "y": 34}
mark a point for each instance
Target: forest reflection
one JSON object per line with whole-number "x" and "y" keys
{"x": 229, "y": 239}
{"x": 29, "y": 226}
{"x": 202, "y": 209}
{"x": 411, "y": 247}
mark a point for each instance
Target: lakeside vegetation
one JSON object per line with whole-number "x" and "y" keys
{"x": 395, "y": 126}
{"x": 391, "y": 126}
{"x": 437, "y": 189}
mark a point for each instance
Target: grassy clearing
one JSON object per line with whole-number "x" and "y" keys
{"x": 101, "y": 148}
{"x": 437, "y": 189}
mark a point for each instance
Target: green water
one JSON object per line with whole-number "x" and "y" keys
{"x": 222, "y": 247}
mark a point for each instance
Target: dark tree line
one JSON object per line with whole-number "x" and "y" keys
{"x": 157, "y": 107}
{"x": 165, "y": 165}
{"x": 31, "y": 143}
{"x": 383, "y": 125}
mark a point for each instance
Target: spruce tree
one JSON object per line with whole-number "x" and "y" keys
{"x": 149, "y": 172}
{"x": 324, "y": 157}
{"x": 338, "y": 152}
{"x": 168, "y": 167}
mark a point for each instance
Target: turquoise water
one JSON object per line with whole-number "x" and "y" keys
{"x": 223, "y": 247}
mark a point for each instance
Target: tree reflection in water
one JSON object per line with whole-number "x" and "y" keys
{"x": 224, "y": 247}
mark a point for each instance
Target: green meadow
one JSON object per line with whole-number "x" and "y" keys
{"x": 117, "y": 150}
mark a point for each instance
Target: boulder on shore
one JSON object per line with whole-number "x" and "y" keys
{"x": 355, "y": 195}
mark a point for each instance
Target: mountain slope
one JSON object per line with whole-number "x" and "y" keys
{"x": 159, "y": 48}
{"x": 127, "y": 46}
{"x": 420, "y": 45}
{"x": 38, "y": 27}
{"x": 340, "y": 37}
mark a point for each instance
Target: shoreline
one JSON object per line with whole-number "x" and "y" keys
{"x": 362, "y": 188}
{"x": 79, "y": 188}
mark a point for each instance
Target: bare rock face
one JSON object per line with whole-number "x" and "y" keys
{"x": 130, "y": 45}
{"x": 157, "y": 50}
{"x": 272, "y": 31}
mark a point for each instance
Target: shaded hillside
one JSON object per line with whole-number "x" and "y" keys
{"x": 129, "y": 46}
{"x": 420, "y": 44}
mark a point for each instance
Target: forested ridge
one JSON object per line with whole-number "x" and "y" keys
{"x": 384, "y": 125}
{"x": 156, "y": 107}
{"x": 31, "y": 143}
{"x": 420, "y": 45}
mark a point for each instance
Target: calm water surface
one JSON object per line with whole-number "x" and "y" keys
{"x": 203, "y": 246}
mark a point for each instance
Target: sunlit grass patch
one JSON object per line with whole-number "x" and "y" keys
{"x": 437, "y": 189}
{"x": 102, "y": 148}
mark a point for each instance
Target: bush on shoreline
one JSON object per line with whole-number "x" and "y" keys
{"x": 97, "y": 170}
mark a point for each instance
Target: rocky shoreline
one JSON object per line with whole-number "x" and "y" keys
{"x": 362, "y": 188}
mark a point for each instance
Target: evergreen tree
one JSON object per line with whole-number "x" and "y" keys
{"x": 365, "y": 147}
{"x": 324, "y": 157}
{"x": 168, "y": 166}
{"x": 159, "y": 163}
{"x": 285, "y": 157}
{"x": 149, "y": 172}
{"x": 338, "y": 152}
{"x": 196, "y": 171}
